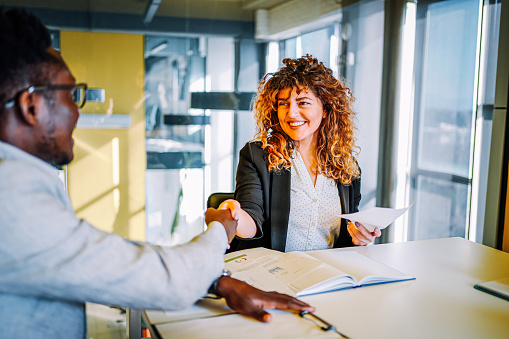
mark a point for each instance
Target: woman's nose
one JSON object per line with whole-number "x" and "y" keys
{"x": 293, "y": 110}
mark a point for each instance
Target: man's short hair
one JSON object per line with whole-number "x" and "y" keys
{"x": 24, "y": 41}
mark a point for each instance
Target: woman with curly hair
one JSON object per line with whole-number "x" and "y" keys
{"x": 300, "y": 172}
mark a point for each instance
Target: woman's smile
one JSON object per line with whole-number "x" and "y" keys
{"x": 296, "y": 123}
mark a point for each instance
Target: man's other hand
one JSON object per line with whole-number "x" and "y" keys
{"x": 225, "y": 218}
{"x": 250, "y": 301}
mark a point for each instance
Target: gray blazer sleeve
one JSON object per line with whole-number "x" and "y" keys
{"x": 47, "y": 252}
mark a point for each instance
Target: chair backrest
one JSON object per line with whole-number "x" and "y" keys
{"x": 215, "y": 199}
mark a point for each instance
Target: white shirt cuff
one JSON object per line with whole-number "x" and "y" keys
{"x": 219, "y": 231}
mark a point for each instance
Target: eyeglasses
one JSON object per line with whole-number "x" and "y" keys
{"x": 78, "y": 93}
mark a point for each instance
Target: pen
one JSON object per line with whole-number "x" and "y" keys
{"x": 323, "y": 324}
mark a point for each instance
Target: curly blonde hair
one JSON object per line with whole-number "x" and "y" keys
{"x": 336, "y": 143}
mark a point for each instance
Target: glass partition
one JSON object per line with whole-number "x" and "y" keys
{"x": 175, "y": 140}
{"x": 189, "y": 151}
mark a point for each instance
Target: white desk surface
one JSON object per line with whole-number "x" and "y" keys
{"x": 440, "y": 303}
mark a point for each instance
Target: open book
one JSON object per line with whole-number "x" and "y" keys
{"x": 304, "y": 273}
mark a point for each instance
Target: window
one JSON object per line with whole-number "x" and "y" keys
{"x": 445, "y": 100}
{"x": 353, "y": 49}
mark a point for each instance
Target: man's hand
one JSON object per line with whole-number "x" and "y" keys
{"x": 250, "y": 301}
{"x": 225, "y": 218}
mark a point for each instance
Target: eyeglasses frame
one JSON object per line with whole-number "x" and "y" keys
{"x": 10, "y": 103}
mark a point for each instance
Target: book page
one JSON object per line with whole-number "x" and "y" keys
{"x": 322, "y": 279}
{"x": 262, "y": 279}
{"x": 309, "y": 276}
{"x": 364, "y": 269}
{"x": 253, "y": 267}
{"x": 251, "y": 258}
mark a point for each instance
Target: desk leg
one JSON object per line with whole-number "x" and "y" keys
{"x": 153, "y": 331}
{"x": 133, "y": 327}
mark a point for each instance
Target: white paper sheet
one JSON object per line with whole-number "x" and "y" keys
{"x": 380, "y": 217}
{"x": 203, "y": 308}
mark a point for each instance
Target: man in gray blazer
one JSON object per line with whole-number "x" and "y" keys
{"x": 52, "y": 262}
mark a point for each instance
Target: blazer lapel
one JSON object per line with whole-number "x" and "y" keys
{"x": 280, "y": 209}
{"x": 344, "y": 197}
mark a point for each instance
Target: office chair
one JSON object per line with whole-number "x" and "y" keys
{"x": 215, "y": 199}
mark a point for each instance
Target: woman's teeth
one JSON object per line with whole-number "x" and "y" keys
{"x": 297, "y": 123}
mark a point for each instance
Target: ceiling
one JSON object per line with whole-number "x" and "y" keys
{"x": 240, "y": 10}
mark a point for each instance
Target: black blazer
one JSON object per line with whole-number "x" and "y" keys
{"x": 265, "y": 196}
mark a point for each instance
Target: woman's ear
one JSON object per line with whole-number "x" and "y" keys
{"x": 28, "y": 107}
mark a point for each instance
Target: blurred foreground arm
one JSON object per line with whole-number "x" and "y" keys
{"x": 225, "y": 218}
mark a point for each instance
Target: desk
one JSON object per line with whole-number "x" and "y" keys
{"x": 440, "y": 303}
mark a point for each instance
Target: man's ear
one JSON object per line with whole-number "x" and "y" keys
{"x": 28, "y": 104}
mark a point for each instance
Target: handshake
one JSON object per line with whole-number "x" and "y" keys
{"x": 241, "y": 297}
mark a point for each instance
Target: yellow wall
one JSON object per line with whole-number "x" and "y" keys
{"x": 106, "y": 179}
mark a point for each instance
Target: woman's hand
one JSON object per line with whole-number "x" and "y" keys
{"x": 360, "y": 235}
{"x": 233, "y": 206}
{"x": 247, "y": 226}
